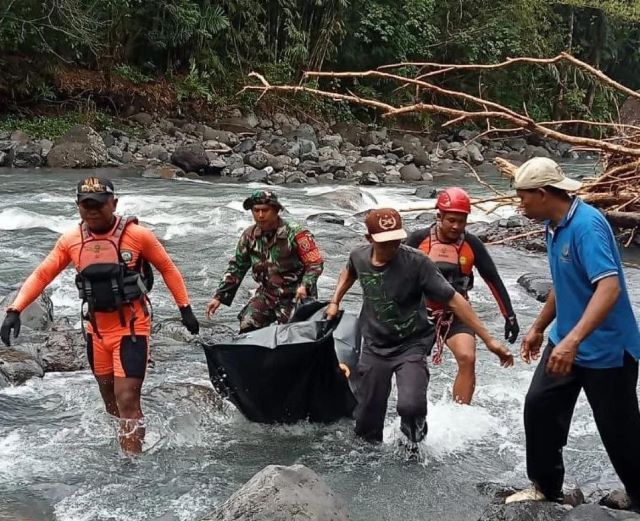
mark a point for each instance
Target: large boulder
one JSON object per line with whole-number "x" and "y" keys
{"x": 279, "y": 493}
{"x": 331, "y": 140}
{"x": 598, "y": 513}
{"x": 257, "y": 159}
{"x": 142, "y": 118}
{"x": 369, "y": 179}
{"x": 81, "y": 147}
{"x": 369, "y": 167}
{"x": 304, "y": 131}
{"x": 533, "y": 151}
{"x": 279, "y": 163}
{"x": 212, "y": 134}
{"x": 19, "y": 364}
{"x": 412, "y": 145}
{"x": 525, "y": 511}
{"x": 191, "y": 158}
{"x": 64, "y": 350}
{"x": 38, "y": 316}
{"x": 245, "y": 146}
{"x": 475, "y": 155}
{"x": 410, "y": 173}
{"x": 536, "y": 285}
{"x": 154, "y": 151}
{"x": 346, "y": 198}
{"x": 28, "y": 155}
{"x": 351, "y": 133}
{"x": 277, "y": 146}
{"x": 308, "y": 150}
{"x": 375, "y": 137}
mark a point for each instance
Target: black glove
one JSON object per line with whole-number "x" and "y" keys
{"x": 11, "y": 321}
{"x": 511, "y": 329}
{"x": 189, "y": 320}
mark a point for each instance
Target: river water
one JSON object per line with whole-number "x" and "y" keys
{"x": 58, "y": 457}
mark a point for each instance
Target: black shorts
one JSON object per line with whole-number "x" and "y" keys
{"x": 457, "y": 327}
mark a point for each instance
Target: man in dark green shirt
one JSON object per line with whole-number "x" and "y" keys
{"x": 285, "y": 262}
{"x": 397, "y": 334}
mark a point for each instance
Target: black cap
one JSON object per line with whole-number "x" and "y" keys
{"x": 96, "y": 188}
{"x": 262, "y": 197}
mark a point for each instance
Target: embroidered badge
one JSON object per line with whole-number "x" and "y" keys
{"x": 307, "y": 248}
{"x": 387, "y": 223}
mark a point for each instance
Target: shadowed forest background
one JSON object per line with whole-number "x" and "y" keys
{"x": 104, "y": 58}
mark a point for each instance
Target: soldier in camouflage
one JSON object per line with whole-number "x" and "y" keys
{"x": 284, "y": 259}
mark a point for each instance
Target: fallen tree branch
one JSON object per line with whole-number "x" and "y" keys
{"x": 623, "y": 219}
{"x": 516, "y": 237}
{"x": 483, "y": 183}
{"x": 447, "y": 67}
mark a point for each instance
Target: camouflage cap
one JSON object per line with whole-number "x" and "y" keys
{"x": 262, "y": 197}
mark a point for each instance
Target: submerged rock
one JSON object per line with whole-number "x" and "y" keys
{"x": 536, "y": 285}
{"x": 279, "y": 493}
{"x": 330, "y": 218}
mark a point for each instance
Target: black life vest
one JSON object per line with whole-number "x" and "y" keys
{"x": 453, "y": 259}
{"x": 105, "y": 281}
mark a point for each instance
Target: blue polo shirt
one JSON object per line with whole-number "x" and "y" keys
{"x": 582, "y": 250}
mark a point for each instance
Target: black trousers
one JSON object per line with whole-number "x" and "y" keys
{"x": 374, "y": 386}
{"x": 548, "y": 411}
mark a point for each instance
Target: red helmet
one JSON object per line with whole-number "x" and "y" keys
{"x": 454, "y": 200}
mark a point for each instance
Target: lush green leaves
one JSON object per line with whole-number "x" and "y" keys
{"x": 208, "y": 46}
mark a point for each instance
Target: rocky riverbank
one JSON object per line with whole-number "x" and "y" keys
{"x": 275, "y": 150}
{"x": 278, "y": 493}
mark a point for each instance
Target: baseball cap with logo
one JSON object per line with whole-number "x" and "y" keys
{"x": 385, "y": 224}
{"x": 539, "y": 172}
{"x": 96, "y": 188}
{"x": 262, "y": 197}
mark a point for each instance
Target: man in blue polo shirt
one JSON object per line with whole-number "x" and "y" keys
{"x": 593, "y": 345}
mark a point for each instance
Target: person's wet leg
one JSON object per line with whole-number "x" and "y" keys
{"x": 106, "y": 386}
{"x": 130, "y": 364}
{"x": 463, "y": 347}
{"x": 412, "y": 380}
{"x": 373, "y": 391}
{"x": 132, "y": 428}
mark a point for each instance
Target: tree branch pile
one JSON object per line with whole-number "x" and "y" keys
{"x": 616, "y": 191}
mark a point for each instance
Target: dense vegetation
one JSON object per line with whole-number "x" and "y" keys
{"x": 57, "y": 53}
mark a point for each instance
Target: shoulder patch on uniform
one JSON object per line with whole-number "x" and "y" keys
{"x": 126, "y": 255}
{"x": 307, "y": 248}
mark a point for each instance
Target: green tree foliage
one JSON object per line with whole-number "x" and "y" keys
{"x": 208, "y": 46}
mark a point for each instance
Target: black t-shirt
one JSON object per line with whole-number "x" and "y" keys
{"x": 394, "y": 314}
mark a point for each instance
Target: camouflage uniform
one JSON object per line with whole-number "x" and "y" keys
{"x": 280, "y": 261}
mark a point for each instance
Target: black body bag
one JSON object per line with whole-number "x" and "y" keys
{"x": 303, "y": 370}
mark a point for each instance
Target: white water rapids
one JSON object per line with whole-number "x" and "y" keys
{"x": 58, "y": 457}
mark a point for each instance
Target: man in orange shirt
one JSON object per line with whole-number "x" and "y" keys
{"x": 111, "y": 255}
